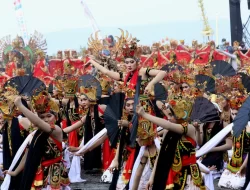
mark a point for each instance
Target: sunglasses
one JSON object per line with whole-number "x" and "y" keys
{"x": 131, "y": 61}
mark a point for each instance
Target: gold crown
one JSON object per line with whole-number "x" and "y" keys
{"x": 182, "y": 41}
{"x": 105, "y": 84}
{"x": 146, "y": 132}
{"x": 188, "y": 78}
{"x": 181, "y": 106}
{"x": 10, "y": 93}
{"x": 89, "y": 92}
{"x": 174, "y": 76}
{"x": 70, "y": 87}
{"x": 5, "y": 109}
{"x": 43, "y": 104}
{"x": 129, "y": 94}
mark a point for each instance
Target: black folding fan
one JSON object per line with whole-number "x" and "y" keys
{"x": 204, "y": 111}
{"x": 27, "y": 85}
{"x": 222, "y": 68}
{"x": 206, "y": 82}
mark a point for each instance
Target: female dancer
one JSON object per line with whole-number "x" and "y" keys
{"x": 176, "y": 164}
{"x": 42, "y": 163}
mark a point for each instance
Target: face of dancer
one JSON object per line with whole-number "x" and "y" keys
{"x": 48, "y": 117}
{"x": 129, "y": 107}
{"x": 170, "y": 116}
{"x": 210, "y": 127}
{"x": 185, "y": 88}
{"x": 38, "y": 57}
{"x": 84, "y": 101}
{"x": 116, "y": 88}
{"x": 131, "y": 64}
{"x": 235, "y": 92}
{"x": 234, "y": 113}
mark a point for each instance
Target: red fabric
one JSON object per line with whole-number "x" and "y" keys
{"x": 185, "y": 161}
{"x": 77, "y": 63}
{"x": 112, "y": 156}
{"x": 2, "y": 80}
{"x": 183, "y": 57}
{"x": 55, "y": 68}
{"x": 73, "y": 138}
{"x": 219, "y": 56}
{"x": 133, "y": 80}
{"x": 21, "y": 127}
{"x": 203, "y": 58}
{"x": 64, "y": 123}
{"x": 149, "y": 62}
{"x": 106, "y": 154}
{"x": 129, "y": 164}
{"x": 10, "y": 69}
{"x": 100, "y": 110}
{"x": 161, "y": 60}
{"x": 39, "y": 73}
{"x": 180, "y": 47}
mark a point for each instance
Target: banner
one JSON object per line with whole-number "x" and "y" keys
{"x": 20, "y": 20}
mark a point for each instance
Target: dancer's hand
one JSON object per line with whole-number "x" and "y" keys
{"x": 123, "y": 123}
{"x": 113, "y": 166}
{"x": 11, "y": 173}
{"x": 18, "y": 100}
{"x": 149, "y": 184}
{"x": 212, "y": 168}
{"x": 140, "y": 110}
{"x": 73, "y": 149}
{"x": 242, "y": 171}
{"x": 148, "y": 88}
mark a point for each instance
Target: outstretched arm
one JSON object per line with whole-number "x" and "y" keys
{"x": 105, "y": 71}
{"x": 232, "y": 56}
{"x": 20, "y": 167}
{"x": 177, "y": 128}
{"x": 75, "y": 126}
{"x": 42, "y": 125}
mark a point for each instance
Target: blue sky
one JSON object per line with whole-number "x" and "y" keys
{"x": 65, "y": 25}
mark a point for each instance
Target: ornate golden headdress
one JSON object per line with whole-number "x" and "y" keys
{"x": 70, "y": 86}
{"x": 129, "y": 94}
{"x": 174, "y": 76}
{"x": 182, "y": 41}
{"x": 181, "y": 106}
{"x": 40, "y": 53}
{"x": 90, "y": 92}
{"x": 43, "y": 104}
{"x": 146, "y": 132}
{"x": 236, "y": 103}
{"x": 188, "y": 78}
{"x": 105, "y": 84}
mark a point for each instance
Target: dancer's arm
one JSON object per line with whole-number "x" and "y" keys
{"x": 75, "y": 126}
{"x": 224, "y": 147}
{"x": 20, "y": 167}
{"x": 38, "y": 122}
{"x": 177, "y": 128}
{"x": 105, "y": 71}
{"x": 139, "y": 172}
{"x": 232, "y": 56}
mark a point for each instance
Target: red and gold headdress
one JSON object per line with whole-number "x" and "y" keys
{"x": 70, "y": 86}
{"x": 90, "y": 92}
{"x": 236, "y": 103}
{"x": 129, "y": 94}
{"x": 146, "y": 132}
{"x": 181, "y": 106}
{"x": 43, "y": 104}
{"x": 105, "y": 84}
